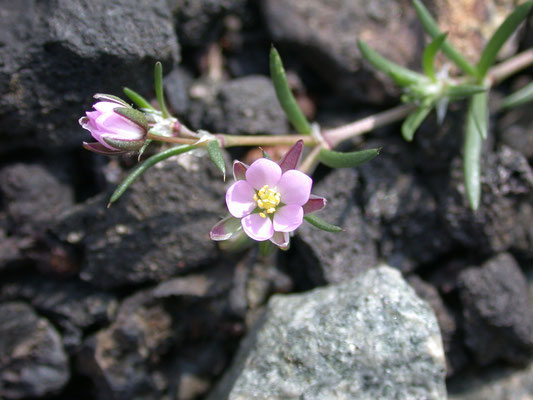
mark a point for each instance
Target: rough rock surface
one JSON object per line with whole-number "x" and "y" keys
{"x": 55, "y": 57}
{"x": 158, "y": 229}
{"x": 32, "y": 360}
{"x": 514, "y": 130}
{"x": 335, "y": 257}
{"x": 245, "y": 105}
{"x": 368, "y": 338}
{"x": 504, "y": 220}
{"x": 497, "y": 311}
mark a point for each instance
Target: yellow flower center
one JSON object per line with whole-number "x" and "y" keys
{"x": 267, "y": 199}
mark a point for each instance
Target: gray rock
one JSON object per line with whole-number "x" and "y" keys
{"x": 497, "y": 383}
{"x": 497, "y": 311}
{"x": 57, "y": 54}
{"x": 335, "y": 257}
{"x": 32, "y": 360}
{"x": 368, "y": 338}
{"x": 245, "y": 105}
{"x": 514, "y": 130}
{"x": 158, "y": 229}
{"x": 324, "y": 35}
{"x": 504, "y": 220}
{"x": 33, "y": 196}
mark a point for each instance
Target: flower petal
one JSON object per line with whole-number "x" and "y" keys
{"x": 240, "y": 199}
{"x": 288, "y": 218}
{"x": 315, "y": 203}
{"x": 295, "y": 187}
{"x": 101, "y": 149}
{"x": 281, "y": 239}
{"x": 118, "y": 125}
{"x": 239, "y": 170}
{"x": 105, "y": 106}
{"x": 263, "y": 172}
{"x": 257, "y": 227}
{"x": 225, "y": 228}
{"x": 292, "y": 157}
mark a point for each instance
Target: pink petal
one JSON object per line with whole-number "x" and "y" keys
{"x": 281, "y": 239}
{"x": 240, "y": 199}
{"x": 239, "y": 170}
{"x": 257, "y": 227}
{"x": 115, "y": 124}
{"x": 294, "y": 187}
{"x": 292, "y": 157}
{"x": 263, "y": 172}
{"x": 225, "y": 228}
{"x": 101, "y": 149}
{"x": 315, "y": 203}
{"x": 288, "y": 218}
{"x": 105, "y": 106}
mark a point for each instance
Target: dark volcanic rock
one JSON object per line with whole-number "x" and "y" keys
{"x": 56, "y": 54}
{"x": 32, "y": 196}
{"x": 32, "y": 360}
{"x": 245, "y": 105}
{"x": 514, "y": 130}
{"x": 73, "y": 306}
{"x": 497, "y": 311}
{"x": 402, "y": 210}
{"x": 324, "y": 35}
{"x": 335, "y": 257}
{"x": 158, "y": 229}
{"x": 504, "y": 219}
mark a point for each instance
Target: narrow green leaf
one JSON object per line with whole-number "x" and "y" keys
{"x": 431, "y": 27}
{"x": 472, "y": 157}
{"x": 285, "y": 96}
{"x": 413, "y": 121}
{"x": 159, "y": 92}
{"x": 519, "y": 97}
{"x": 336, "y": 159}
{"x": 143, "y": 149}
{"x": 321, "y": 224}
{"x": 455, "y": 92}
{"x": 428, "y": 58}
{"x": 504, "y": 31}
{"x": 139, "y": 101}
{"x": 402, "y": 76}
{"x": 213, "y": 149}
{"x": 479, "y": 108}
{"x": 141, "y": 168}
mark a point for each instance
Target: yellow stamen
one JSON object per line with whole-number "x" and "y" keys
{"x": 267, "y": 199}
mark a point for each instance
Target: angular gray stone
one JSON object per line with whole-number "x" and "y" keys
{"x": 497, "y": 311}
{"x": 158, "y": 229}
{"x": 57, "y": 54}
{"x": 335, "y": 257}
{"x": 368, "y": 338}
{"x": 32, "y": 360}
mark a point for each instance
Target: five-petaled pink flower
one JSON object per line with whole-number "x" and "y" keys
{"x": 269, "y": 199}
{"x": 115, "y": 125}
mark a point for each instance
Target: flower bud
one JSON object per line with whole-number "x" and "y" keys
{"x": 116, "y": 126}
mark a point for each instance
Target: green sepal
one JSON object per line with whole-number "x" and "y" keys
{"x": 111, "y": 98}
{"x": 125, "y": 145}
{"x": 141, "y": 168}
{"x": 336, "y": 159}
{"x": 428, "y": 58}
{"x": 215, "y": 153}
{"x": 431, "y": 27}
{"x": 321, "y": 224}
{"x": 266, "y": 248}
{"x": 504, "y": 31}
{"x": 413, "y": 121}
{"x": 142, "y": 149}
{"x": 285, "y": 97}
{"x": 133, "y": 115}
{"x": 473, "y": 143}
{"x": 159, "y": 91}
{"x": 519, "y": 97}
{"x": 402, "y": 76}
{"x": 455, "y": 92}
{"x": 265, "y": 154}
{"x": 137, "y": 99}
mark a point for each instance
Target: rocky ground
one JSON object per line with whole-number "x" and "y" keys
{"x": 416, "y": 298}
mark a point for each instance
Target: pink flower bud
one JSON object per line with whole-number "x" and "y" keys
{"x": 115, "y": 132}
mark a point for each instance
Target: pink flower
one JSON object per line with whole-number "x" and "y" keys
{"x": 269, "y": 199}
{"x": 116, "y": 126}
